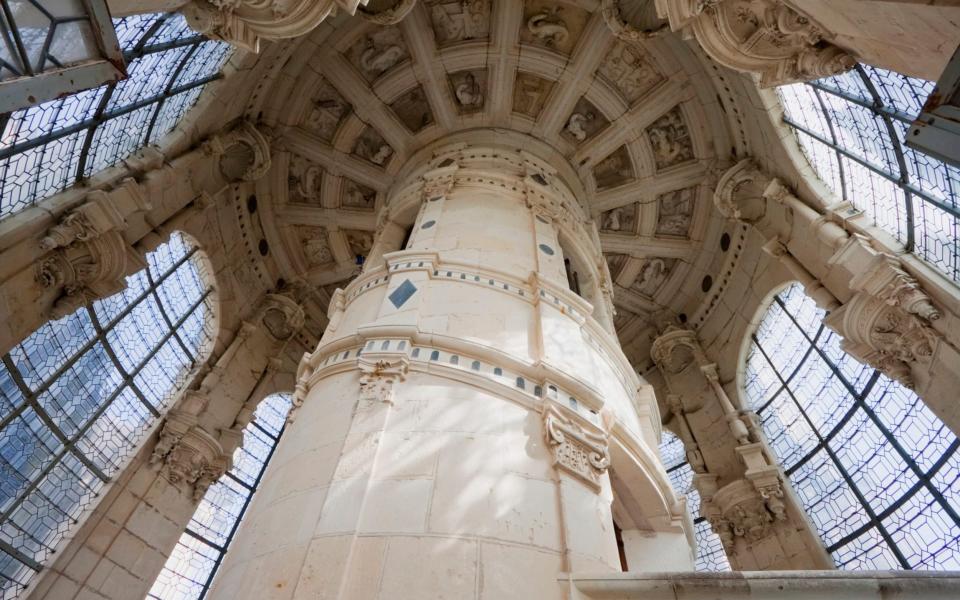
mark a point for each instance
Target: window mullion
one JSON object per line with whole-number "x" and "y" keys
{"x": 166, "y": 317}
{"x": 897, "y": 151}
{"x": 166, "y": 90}
{"x": 835, "y": 144}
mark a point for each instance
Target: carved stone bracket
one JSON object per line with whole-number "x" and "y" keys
{"x": 244, "y": 22}
{"x": 741, "y": 192}
{"x": 388, "y": 16}
{"x": 887, "y": 322}
{"x": 281, "y": 316}
{"x": 624, "y": 30}
{"x": 89, "y": 257}
{"x": 189, "y": 456}
{"x": 578, "y": 447}
{"x": 765, "y": 37}
{"x": 439, "y": 182}
{"x": 377, "y": 379}
{"x": 243, "y": 152}
{"x": 741, "y": 509}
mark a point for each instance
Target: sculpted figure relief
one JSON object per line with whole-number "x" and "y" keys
{"x": 670, "y": 140}
{"x": 675, "y": 211}
{"x": 460, "y": 19}
{"x": 629, "y": 70}
{"x": 652, "y": 276}
{"x": 548, "y": 27}
{"x": 576, "y": 122}
{"x": 468, "y": 91}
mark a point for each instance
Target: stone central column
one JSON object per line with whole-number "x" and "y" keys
{"x": 468, "y": 426}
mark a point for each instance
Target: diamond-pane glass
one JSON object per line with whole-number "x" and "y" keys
{"x": 190, "y": 568}
{"x": 874, "y": 468}
{"x": 79, "y": 396}
{"x": 851, "y": 128}
{"x": 710, "y": 553}
{"x": 46, "y": 148}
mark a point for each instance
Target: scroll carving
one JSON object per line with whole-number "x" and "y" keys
{"x": 188, "y": 456}
{"x": 244, "y": 23}
{"x": 576, "y": 450}
{"x": 89, "y": 258}
{"x": 765, "y": 37}
{"x": 243, "y": 152}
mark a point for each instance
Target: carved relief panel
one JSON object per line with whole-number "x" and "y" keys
{"x": 469, "y": 90}
{"x": 629, "y": 69}
{"x": 304, "y": 179}
{"x": 356, "y": 196}
{"x": 371, "y": 147}
{"x": 552, "y": 25}
{"x": 584, "y": 122}
{"x": 675, "y": 212}
{"x": 327, "y": 112}
{"x": 413, "y": 110}
{"x": 530, "y": 94}
{"x": 614, "y": 170}
{"x": 623, "y": 219}
{"x": 670, "y": 140}
{"x": 653, "y": 275}
{"x": 316, "y": 246}
{"x": 459, "y": 20}
{"x": 377, "y": 52}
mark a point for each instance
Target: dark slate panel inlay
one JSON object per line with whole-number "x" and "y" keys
{"x": 546, "y": 249}
{"x": 403, "y": 292}
{"x": 428, "y": 224}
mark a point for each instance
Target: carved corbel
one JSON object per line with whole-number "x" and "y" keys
{"x": 388, "y": 16}
{"x": 579, "y": 447}
{"x": 243, "y": 153}
{"x": 377, "y": 379}
{"x": 188, "y": 456}
{"x": 676, "y": 349}
{"x": 624, "y": 30}
{"x": 765, "y": 37}
{"x": 887, "y": 322}
{"x": 89, "y": 258}
{"x": 741, "y": 192}
{"x": 244, "y": 23}
{"x": 281, "y": 316}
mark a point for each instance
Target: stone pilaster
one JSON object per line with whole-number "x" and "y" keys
{"x": 881, "y": 309}
{"x": 742, "y": 490}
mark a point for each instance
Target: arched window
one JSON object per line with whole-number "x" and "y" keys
{"x": 194, "y": 562}
{"x": 46, "y": 148}
{"x": 78, "y": 396}
{"x": 877, "y": 472}
{"x": 710, "y": 554}
{"x": 852, "y": 128}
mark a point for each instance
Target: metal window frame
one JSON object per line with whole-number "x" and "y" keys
{"x": 35, "y": 87}
{"x": 250, "y": 489}
{"x": 875, "y": 517}
{"x": 890, "y": 117}
{"x": 100, "y": 116}
{"x": 100, "y": 337}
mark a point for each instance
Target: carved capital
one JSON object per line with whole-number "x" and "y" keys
{"x": 89, "y": 258}
{"x": 244, "y": 23}
{"x": 886, "y": 337}
{"x": 243, "y": 153}
{"x": 676, "y": 349}
{"x": 188, "y": 456}
{"x": 578, "y": 447}
{"x": 765, "y": 37}
{"x": 740, "y": 510}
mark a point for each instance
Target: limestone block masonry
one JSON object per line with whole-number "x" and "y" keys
{"x": 455, "y": 431}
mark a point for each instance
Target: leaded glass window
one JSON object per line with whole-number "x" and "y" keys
{"x": 48, "y": 147}
{"x": 78, "y": 396}
{"x": 710, "y": 553}
{"x": 194, "y": 562}
{"x": 852, "y": 127}
{"x": 877, "y": 472}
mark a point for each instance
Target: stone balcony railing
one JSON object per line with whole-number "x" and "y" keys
{"x": 768, "y": 585}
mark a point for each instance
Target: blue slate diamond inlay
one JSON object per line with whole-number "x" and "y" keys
{"x": 403, "y": 292}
